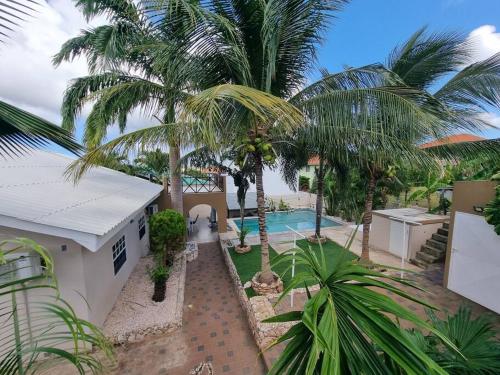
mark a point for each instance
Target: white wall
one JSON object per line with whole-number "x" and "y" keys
{"x": 474, "y": 270}
{"x": 67, "y": 265}
{"x": 273, "y": 184}
{"x": 102, "y": 285}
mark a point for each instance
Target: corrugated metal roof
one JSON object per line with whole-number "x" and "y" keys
{"x": 34, "y": 189}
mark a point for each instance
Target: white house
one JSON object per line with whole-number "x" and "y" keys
{"x": 95, "y": 230}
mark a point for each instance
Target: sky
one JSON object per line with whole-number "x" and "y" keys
{"x": 363, "y": 33}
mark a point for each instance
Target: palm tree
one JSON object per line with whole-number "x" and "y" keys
{"x": 138, "y": 61}
{"x": 348, "y": 323}
{"x": 422, "y": 62}
{"x": 261, "y": 52}
{"x": 153, "y": 163}
{"x": 20, "y": 130}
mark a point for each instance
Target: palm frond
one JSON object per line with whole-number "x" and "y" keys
{"x": 488, "y": 149}
{"x": 20, "y": 131}
{"x": 13, "y": 13}
{"x": 424, "y": 57}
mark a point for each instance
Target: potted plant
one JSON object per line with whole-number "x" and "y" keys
{"x": 243, "y": 248}
{"x": 159, "y": 276}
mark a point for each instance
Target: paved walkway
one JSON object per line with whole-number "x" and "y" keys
{"x": 215, "y": 328}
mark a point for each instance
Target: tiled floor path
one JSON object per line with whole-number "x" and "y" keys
{"x": 215, "y": 328}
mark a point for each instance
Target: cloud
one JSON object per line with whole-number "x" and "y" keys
{"x": 27, "y": 77}
{"x": 486, "y": 42}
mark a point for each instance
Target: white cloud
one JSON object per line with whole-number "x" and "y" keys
{"x": 486, "y": 42}
{"x": 491, "y": 118}
{"x": 27, "y": 77}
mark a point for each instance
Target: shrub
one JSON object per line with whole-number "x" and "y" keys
{"x": 492, "y": 209}
{"x": 243, "y": 234}
{"x": 304, "y": 183}
{"x": 167, "y": 230}
{"x": 159, "y": 276}
{"x": 283, "y": 206}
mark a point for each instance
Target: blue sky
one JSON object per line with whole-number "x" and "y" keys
{"x": 367, "y": 30}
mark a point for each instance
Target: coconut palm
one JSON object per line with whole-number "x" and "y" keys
{"x": 262, "y": 52}
{"x": 137, "y": 61}
{"x": 422, "y": 62}
{"x": 21, "y": 130}
{"x": 153, "y": 163}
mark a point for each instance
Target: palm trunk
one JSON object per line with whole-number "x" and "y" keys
{"x": 367, "y": 218}
{"x": 175, "y": 179}
{"x": 266, "y": 275}
{"x": 319, "y": 196}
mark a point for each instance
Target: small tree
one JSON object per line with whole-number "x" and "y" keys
{"x": 167, "y": 230}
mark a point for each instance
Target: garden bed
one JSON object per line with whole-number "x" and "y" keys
{"x": 135, "y": 315}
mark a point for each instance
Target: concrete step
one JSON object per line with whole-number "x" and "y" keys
{"x": 440, "y": 238}
{"x": 439, "y": 253}
{"x": 443, "y": 232}
{"x": 427, "y": 258}
{"x": 446, "y": 225}
{"x": 436, "y": 244}
{"x": 419, "y": 263}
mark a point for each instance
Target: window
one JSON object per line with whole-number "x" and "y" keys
{"x": 119, "y": 254}
{"x": 142, "y": 227}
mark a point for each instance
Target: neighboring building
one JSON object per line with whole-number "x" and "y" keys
{"x": 457, "y": 138}
{"x": 309, "y": 170}
{"x": 96, "y": 230}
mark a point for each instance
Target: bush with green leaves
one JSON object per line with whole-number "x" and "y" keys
{"x": 242, "y": 235}
{"x": 492, "y": 209}
{"x": 159, "y": 276}
{"x": 304, "y": 183}
{"x": 167, "y": 231}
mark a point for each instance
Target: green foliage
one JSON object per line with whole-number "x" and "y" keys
{"x": 159, "y": 274}
{"x": 270, "y": 204}
{"x": 193, "y": 172}
{"x": 155, "y": 163}
{"x": 283, "y": 206}
{"x": 50, "y": 323}
{"x": 167, "y": 230}
{"x": 492, "y": 209}
{"x": 304, "y": 183}
{"x": 247, "y": 265}
{"x": 343, "y": 328}
{"x": 243, "y": 234}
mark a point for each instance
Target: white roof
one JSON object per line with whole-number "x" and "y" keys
{"x": 34, "y": 190}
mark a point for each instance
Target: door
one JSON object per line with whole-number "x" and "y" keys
{"x": 398, "y": 240}
{"x": 474, "y": 270}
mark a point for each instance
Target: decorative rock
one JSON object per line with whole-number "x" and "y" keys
{"x": 316, "y": 240}
{"x": 263, "y": 288}
{"x": 242, "y": 249}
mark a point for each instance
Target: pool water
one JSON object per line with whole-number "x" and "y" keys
{"x": 298, "y": 220}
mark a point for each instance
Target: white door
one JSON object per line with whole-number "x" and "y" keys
{"x": 475, "y": 261}
{"x": 398, "y": 240}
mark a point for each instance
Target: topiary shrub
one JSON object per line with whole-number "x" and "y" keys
{"x": 167, "y": 231}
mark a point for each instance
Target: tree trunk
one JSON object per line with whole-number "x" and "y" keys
{"x": 175, "y": 179}
{"x": 320, "y": 176}
{"x": 266, "y": 275}
{"x": 160, "y": 288}
{"x": 428, "y": 202}
{"x": 367, "y": 218}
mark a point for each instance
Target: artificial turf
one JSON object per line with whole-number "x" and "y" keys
{"x": 248, "y": 264}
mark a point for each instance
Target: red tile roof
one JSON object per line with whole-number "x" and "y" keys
{"x": 313, "y": 161}
{"x": 457, "y": 138}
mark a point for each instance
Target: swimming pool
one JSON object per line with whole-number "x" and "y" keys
{"x": 298, "y": 220}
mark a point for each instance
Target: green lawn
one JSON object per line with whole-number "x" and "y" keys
{"x": 248, "y": 264}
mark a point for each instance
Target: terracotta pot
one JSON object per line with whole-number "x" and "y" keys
{"x": 242, "y": 249}
{"x": 316, "y": 240}
{"x": 262, "y": 288}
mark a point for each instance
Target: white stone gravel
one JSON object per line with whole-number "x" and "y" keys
{"x": 135, "y": 315}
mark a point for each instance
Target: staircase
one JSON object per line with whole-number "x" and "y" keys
{"x": 434, "y": 250}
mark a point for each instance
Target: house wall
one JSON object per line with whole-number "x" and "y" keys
{"x": 102, "y": 285}
{"x": 466, "y": 195}
{"x": 68, "y": 266}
